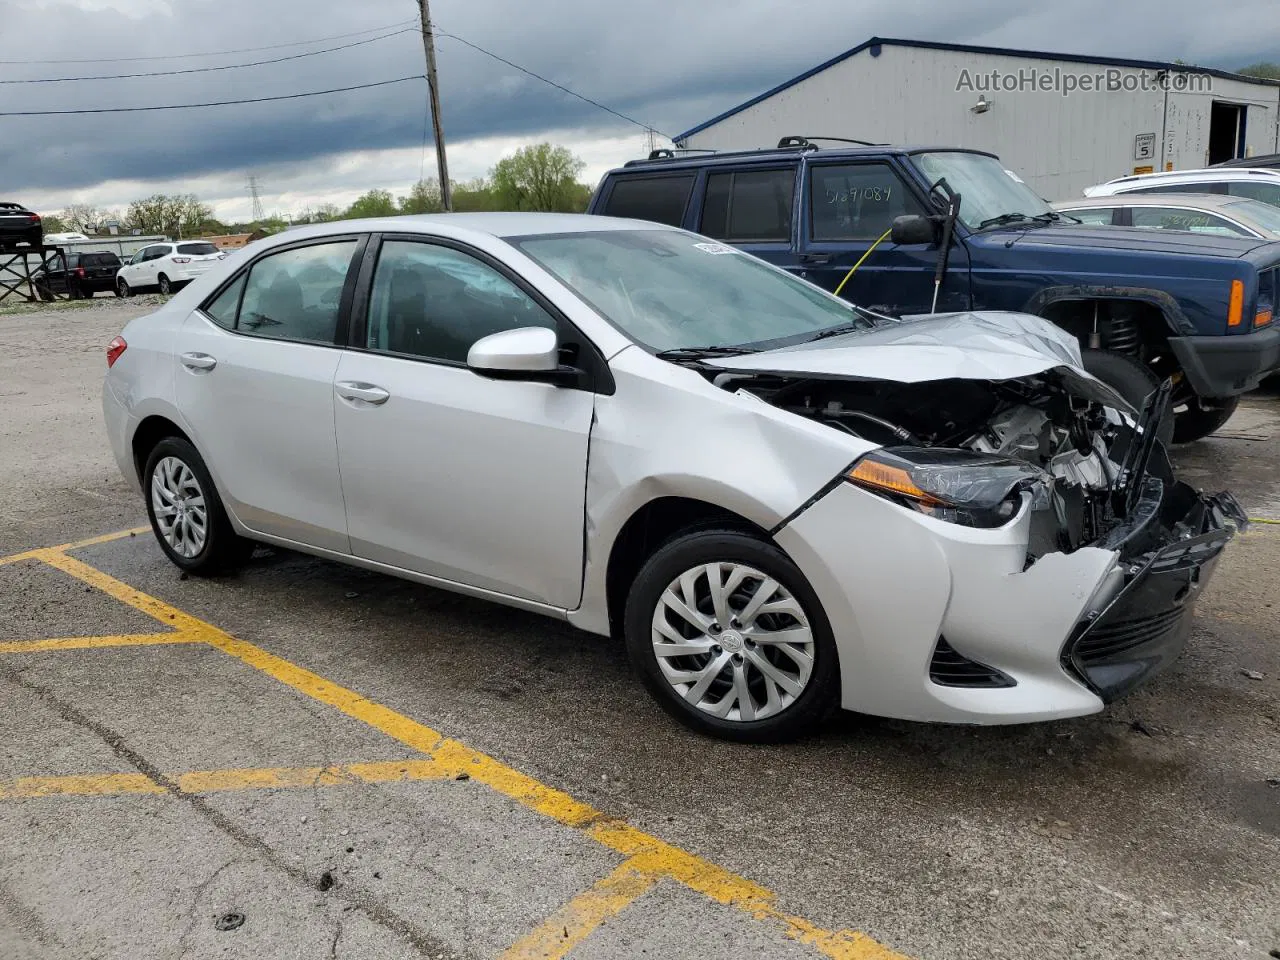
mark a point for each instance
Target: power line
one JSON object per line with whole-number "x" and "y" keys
{"x": 516, "y": 66}
{"x": 215, "y": 103}
{"x": 227, "y": 66}
{"x": 220, "y": 53}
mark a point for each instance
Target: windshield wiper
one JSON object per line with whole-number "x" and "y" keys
{"x": 838, "y": 331}
{"x": 1003, "y": 219}
{"x": 1053, "y": 216}
{"x": 697, "y": 353}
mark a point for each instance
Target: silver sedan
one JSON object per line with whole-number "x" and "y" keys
{"x": 782, "y": 502}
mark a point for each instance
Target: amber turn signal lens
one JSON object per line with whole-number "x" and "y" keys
{"x": 1235, "y": 314}
{"x": 889, "y": 479}
{"x": 1262, "y": 319}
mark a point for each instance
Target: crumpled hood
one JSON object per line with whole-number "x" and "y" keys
{"x": 987, "y": 345}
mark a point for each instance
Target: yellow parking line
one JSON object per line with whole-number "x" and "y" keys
{"x": 219, "y": 781}
{"x": 79, "y": 544}
{"x": 156, "y": 609}
{"x": 89, "y": 643}
{"x": 579, "y": 918}
{"x": 449, "y": 757}
{"x": 89, "y": 785}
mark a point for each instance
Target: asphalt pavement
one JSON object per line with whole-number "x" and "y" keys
{"x": 307, "y": 760}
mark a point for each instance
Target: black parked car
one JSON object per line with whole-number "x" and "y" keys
{"x": 18, "y": 225}
{"x": 78, "y": 274}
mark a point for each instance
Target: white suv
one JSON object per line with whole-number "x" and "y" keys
{"x": 1256, "y": 184}
{"x": 166, "y": 266}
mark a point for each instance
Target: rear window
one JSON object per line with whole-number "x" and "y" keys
{"x": 197, "y": 249}
{"x": 99, "y": 259}
{"x": 660, "y": 199}
{"x": 749, "y": 205}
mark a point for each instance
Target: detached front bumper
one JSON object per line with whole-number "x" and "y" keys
{"x": 1144, "y": 626}
{"x": 1229, "y": 365}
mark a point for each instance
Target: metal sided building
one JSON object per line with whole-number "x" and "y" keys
{"x": 1063, "y": 122}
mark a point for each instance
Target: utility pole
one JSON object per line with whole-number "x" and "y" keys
{"x": 429, "y": 44}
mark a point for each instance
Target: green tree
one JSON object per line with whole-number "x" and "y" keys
{"x": 424, "y": 197}
{"x": 540, "y": 177}
{"x": 179, "y": 214}
{"x": 375, "y": 203}
{"x": 1266, "y": 70}
{"x": 78, "y": 217}
{"x": 53, "y": 223}
{"x": 475, "y": 196}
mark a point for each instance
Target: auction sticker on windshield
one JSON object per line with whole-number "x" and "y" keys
{"x": 715, "y": 249}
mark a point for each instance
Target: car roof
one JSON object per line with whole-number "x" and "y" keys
{"x": 462, "y": 225}
{"x": 1201, "y": 201}
{"x": 673, "y": 160}
{"x": 1205, "y": 175}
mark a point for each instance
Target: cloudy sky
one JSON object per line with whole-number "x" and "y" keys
{"x": 667, "y": 63}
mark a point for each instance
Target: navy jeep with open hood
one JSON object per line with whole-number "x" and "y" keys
{"x": 913, "y": 231}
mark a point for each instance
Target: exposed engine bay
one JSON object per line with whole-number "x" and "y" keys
{"x": 1085, "y": 447}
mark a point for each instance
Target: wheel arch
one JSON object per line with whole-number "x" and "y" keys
{"x": 1073, "y": 300}
{"x": 149, "y": 432}
{"x": 653, "y": 524}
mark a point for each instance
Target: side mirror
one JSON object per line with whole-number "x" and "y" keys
{"x": 525, "y": 353}
{"x": 913, "y": 229}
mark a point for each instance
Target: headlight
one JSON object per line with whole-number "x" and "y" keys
{"x": 971, "y": 489}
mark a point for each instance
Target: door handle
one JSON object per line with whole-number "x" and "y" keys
{"x": 362, "y": 392}
{"x": 816, "y": 258}
{"x": 198, "y": 361}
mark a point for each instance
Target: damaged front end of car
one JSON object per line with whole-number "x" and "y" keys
{"x": 1061, "y": 447}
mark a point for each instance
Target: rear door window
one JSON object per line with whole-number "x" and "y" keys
{"x": 749, "y": 206}
{"x": 294, "y": 294}
{"x": 660, "y": 199}
{"x": 857, "y": 201}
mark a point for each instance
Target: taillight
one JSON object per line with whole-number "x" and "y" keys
{"x": 80, "y": 272}
{"x": 181, "y": 259}
{"x": 114, "y": 349}
{"x": 35, "y": 218}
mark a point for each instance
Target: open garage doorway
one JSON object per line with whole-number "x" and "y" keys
{"x": 1226, "y": 132}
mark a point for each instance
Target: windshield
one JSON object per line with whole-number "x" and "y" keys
{"x": 1261, "y": 215}
{"x": 197, "y": 249}
{"x": 986, "y": 188}
{"x": 669, "y": 289}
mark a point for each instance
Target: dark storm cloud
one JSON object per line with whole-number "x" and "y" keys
{"x": 669, "y": 63}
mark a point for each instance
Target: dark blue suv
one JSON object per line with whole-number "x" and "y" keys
{"x": 1145, "y": 305}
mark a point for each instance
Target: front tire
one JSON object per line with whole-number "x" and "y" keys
{"x": 186, "y": 513}
{"x": 1198, "y": 421}
{"x": 1130, "y": 378}
{"x": 767, "y": 674}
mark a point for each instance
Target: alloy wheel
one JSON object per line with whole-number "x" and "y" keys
{"x": 733, "y": 642}
{"x": 178, "y": 503}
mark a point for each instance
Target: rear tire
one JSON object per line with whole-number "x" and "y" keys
{"x": 122, "y": 289}
{"x": 166, "y": 287}
{"x": 186, "y": 513}
{"x": 793, "y": 683}
{"x": 1130, "y": 378}
{"x": 1197, "y": 422}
